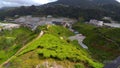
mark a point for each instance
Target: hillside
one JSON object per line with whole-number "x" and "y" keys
{"x": 12, "y": 40}
{"x": 53, "y": 50}
{"x": 85, "y": 3}
{"x": 103, "y": 43}
{"x": 87, "y": 9}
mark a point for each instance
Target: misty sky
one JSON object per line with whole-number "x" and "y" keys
{"x": 12, "y": 3}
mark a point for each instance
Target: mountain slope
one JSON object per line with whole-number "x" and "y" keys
{"x": 85, "y": 3}
{"x": 12, "y": 40}
{"x": 88, "y": 9}
{"x": 102, "y": 42}
{"x": 53, "y": 51}
{"x": 104, "y": 2}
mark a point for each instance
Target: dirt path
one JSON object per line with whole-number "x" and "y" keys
{"x": 41, "y": 34}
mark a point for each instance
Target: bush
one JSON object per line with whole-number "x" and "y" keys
{"x": 51, "y": 46}
{"x": 79, "y": 65}
{"x": 98, "y": 40}
{"x": 12, "y": 40}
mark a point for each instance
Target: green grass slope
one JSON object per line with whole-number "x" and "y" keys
{"x": 12, "y": 40}
{"x": 54, "y": 48}
{"x": 103, "y": 42}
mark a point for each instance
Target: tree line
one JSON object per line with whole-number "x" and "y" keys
{"x": 71, "y": 12}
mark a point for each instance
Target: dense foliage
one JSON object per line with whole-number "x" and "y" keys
{"x": 109, "y": 10}
{"x": 103, "y": 42}
{"x": 12, "y": 40}
{"x": 52, "y": 46}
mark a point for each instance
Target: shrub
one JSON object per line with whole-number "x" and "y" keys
{"x": 53, "y": 47}
{"x": 79, "y": 65}
{"x": 12, "y": 40}
{"x": 101, "y": 41}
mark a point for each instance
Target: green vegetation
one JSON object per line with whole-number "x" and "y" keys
{"x": 79, "y": 66}
{"x": 91, "y": 12}
{"x": 56, "y": 30}
{"x": 50, "y": 45}
{"x": 12, "y": 40}
{"x": 53, "y": 47}
{"x": 103, "y": 43}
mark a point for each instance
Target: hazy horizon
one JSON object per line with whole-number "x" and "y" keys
{"x": 17, "y": 3}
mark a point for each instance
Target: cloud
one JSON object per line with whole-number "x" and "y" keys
{"x": 118, "y": 0}
{"x": 15, "y": 3}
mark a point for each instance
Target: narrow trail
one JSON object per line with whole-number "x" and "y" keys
{"x": 39, "y": 36}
